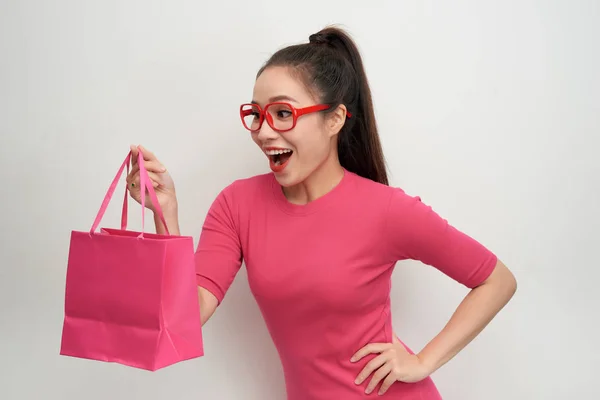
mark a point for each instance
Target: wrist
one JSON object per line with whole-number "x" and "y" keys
{"x": 429, "y": 364}
{"x": 170, "y": 213}
{"x": 169, "y": 208}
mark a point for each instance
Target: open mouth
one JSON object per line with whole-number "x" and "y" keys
{"x": 279, "y": 158}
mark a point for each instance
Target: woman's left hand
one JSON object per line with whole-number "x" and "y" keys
{"x": 394, "y": 363}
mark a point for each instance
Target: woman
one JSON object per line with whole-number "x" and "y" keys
{"x": 321, "y": 233}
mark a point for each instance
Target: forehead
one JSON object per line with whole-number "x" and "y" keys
{"x": 279, "y": 84}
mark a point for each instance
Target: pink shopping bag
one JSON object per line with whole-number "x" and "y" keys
{"x": 131, "y": 297}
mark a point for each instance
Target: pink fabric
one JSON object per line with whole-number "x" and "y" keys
{"x": 131, "y": 297}
{"x": 321, "y": 272}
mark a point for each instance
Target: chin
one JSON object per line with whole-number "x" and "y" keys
{"x": 291, "y": 177}
{"x": 293, "y": 174}
{"x": 287, "y": 179}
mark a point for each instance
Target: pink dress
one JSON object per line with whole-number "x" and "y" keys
{"x": 320, "y": 272}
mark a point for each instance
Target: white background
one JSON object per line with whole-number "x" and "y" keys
{"x": 489, "y": 110}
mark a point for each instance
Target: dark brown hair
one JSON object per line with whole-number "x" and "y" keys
{"x": 331, "y": 66}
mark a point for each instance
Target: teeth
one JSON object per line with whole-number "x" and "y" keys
{"x": 275, "y": 152}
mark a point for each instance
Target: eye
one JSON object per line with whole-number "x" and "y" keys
{"x": 282, "y": 114}
{"x": 281, "y": 111}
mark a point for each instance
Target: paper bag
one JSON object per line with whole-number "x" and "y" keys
{"x": 131, "y": 297}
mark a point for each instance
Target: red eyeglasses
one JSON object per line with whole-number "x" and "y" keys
{"x": 280, "y": 116}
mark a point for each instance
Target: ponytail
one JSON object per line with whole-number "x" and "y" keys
{"x": 332, "y": 65}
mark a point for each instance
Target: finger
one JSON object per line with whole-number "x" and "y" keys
{"x": 147, "y": 154}
{"x": 154, "y": 179}
{"x": 134, "y": 155}
{"x": 151, "y": 167}
{"x": 154, "y": 166}
{"x": 369, "y": 349}
{"x": 135, "y": 170}
{"x": 387, "y": 383}
{"x": 133, "y": 180}
{"x": 380, "y": 374}
{"x": 370, "y": 367}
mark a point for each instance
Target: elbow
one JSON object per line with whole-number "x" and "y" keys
{"x": 511, "y": 284}
{"x": 509, "y": 281}
{"x": 503, "y": 280}
{"x": 507, "y": 287}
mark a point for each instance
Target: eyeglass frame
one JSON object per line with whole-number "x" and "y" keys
{"x": 296, "y": 113}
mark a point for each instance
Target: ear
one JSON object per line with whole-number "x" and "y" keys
{"x": 336, "y": 120}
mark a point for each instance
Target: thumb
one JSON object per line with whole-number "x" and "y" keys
{"x": 134, "y": 154}
{"x": 147, "y": 154}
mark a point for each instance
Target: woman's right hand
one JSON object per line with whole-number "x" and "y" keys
{"x": 161, "y": 180}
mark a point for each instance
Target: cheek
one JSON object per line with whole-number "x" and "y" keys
{"x": 312, "y": 145}
{"x": 317, "y": 149}
{"x": 255, "y": 139}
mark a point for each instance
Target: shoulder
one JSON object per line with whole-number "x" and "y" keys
{"x": 382, "y": 196}
{"x": 245, "y": 187}
{"x": 392, "y": 209}
{"x": 245, "y": 192}
{"x": 238, "y": 198}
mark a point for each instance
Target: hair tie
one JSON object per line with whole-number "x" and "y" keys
{"x": 318, "y": 38}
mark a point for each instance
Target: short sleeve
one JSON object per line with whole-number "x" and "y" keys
{"x": 218, "y": 256}
{"x": 415, "y": 231}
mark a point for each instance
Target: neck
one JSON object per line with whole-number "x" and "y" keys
{"x": 326, "y": 177}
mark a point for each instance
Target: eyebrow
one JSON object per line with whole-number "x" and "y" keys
{"x": 278, "y": 98}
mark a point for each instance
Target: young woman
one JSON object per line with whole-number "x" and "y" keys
{"x": 320, "y": 235}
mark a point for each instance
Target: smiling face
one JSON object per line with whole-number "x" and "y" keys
{"x": 296, "y": 154}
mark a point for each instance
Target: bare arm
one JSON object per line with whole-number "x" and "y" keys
{"x": 417, "y": 232}
{"x": 172, "y": 219}
{"x": 473, "y": 314}
{"x": 165, "y": 191}
{"x": 208, "y": 301}
{"x": 208, "y": 304}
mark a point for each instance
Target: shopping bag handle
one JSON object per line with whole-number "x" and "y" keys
{"x": 145, "y": 182}
{"x": 144, "y": 185}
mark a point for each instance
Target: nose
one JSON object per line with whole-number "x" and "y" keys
{"x": 266, "y": 133}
